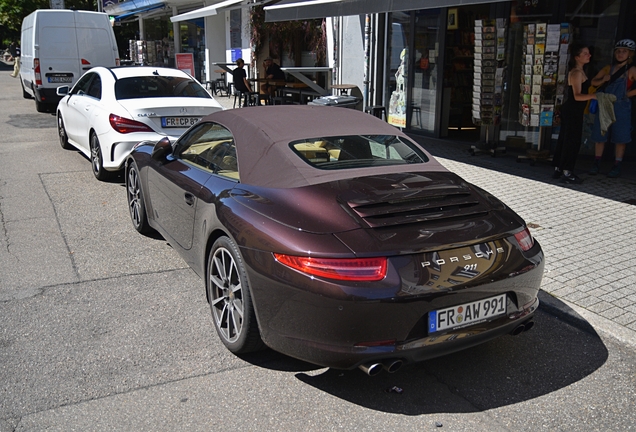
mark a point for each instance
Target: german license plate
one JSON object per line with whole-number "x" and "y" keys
{"x": 60, "y": 79}
{"x": 179, "y": 122}
{"x": 466, "y": 314}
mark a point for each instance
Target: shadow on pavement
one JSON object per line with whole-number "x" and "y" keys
{"x": 505, "y": 371}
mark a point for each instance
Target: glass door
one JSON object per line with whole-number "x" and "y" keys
{"x": 422, "y": 109}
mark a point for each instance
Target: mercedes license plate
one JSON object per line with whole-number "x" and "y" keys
{"x": 60, "y": 79}
{"x": 466, "y": 314}
{"x": 179, "y": 122}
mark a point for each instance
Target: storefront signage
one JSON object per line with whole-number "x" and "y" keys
{"x": 185, "y": 62}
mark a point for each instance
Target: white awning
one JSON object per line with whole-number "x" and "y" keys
{"x": 204, "y": 11}
{"x": 292, "y": 10}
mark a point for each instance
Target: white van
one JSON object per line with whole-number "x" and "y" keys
{"x": 58, "y": 46}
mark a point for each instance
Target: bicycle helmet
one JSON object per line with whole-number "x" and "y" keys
{"x": 626, "y": 43}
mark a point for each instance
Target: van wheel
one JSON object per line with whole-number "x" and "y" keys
{"x": 24, "y": 92}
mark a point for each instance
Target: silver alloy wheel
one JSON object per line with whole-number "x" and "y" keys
{"x": 96, "y": 156}
{"x": 227, "y": 295}
{"x": 62, "y": 132}
{"x": 134, "y": 197}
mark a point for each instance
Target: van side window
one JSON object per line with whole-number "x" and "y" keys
{"x": 95, "y": 87}
{"x": 81, "y": 87}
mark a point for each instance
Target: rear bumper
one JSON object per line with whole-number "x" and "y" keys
{"x": 413, "y": 351}
{"x": 47, "y": 95}
{"x": 115, "y": 155}
{"x": 322, "y": 323}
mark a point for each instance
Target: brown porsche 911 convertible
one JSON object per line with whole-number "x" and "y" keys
{"x": 328, "y": 235}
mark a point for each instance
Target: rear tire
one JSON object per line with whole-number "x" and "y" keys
{"x": 230, "y": 299}
{"x": 97, "y": 164}
{"x": 24, "y": 92}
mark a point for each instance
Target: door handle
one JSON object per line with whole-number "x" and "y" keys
{"x": 189, "y": 199}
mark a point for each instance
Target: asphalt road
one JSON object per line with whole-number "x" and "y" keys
{"x": 104, "y": 329}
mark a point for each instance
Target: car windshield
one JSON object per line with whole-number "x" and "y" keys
{"x": 158, "y": 86}
{"x": 357, "y": 151}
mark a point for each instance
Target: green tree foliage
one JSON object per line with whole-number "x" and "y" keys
{"x": 12, "y": 12}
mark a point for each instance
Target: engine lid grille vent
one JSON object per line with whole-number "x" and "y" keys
{"x": 433, "y": 204}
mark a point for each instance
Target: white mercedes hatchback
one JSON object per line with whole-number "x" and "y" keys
{"x": 109, "y": 110}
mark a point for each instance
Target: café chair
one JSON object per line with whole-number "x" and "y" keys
{"x": 245, "y": 98}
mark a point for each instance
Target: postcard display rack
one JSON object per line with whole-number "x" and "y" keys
{"x": 543, "y": 78}
{"x": 488, "y": 77}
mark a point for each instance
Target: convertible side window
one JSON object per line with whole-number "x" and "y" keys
{"x": 211, "y": 147}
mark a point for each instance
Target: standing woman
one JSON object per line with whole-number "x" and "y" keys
{"x": 572, "y": 115}
{"x": 620, "y": 77}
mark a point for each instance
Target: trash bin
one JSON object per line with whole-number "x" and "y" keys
{"x": 344, "y": 101}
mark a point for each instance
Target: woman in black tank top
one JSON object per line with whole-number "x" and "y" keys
{"x": 572, "y": 115}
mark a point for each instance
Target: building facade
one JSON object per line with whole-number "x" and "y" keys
{"x": 459, "y": 69}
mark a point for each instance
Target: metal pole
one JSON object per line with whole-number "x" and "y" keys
{"x": 367, "y": 63}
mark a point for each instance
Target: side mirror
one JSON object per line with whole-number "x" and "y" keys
{"x": 62, "y": 90}
{"x": 162, "y": 149}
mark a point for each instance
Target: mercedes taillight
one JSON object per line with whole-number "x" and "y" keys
{"x": 124, "y": 125}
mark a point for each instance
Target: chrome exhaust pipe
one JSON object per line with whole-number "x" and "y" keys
{"x": 392, "y": 366}
{"x": 371, "y": 369}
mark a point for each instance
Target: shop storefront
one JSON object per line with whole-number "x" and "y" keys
{"x": 496, "y": 68}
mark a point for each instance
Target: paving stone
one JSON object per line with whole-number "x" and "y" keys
{"x": 600, "y": 307}
{"x": 626, "y": 318}
{"x": 612, "y": 312}
{"x": 588, "y": 301}
{"x": 575, "y": 296}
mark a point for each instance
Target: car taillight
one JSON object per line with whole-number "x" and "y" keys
{"x": 117, "y": 62}
{"x": 85, "y": 62}
{"x": 524, "y": 239}
{"x": 36, "y": 69}
{"x": 124, "y": 125}
{"x": 347, "y": 269}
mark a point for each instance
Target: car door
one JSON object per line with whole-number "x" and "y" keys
{"x": 79, "y": 105}
{"x": 203, "y": 153}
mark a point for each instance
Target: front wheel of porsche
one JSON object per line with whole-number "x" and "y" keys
{"x": 230, "y": 299}
{"x": 136, "y": 203}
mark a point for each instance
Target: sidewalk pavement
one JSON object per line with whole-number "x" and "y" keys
{"x": 587, "y": 231}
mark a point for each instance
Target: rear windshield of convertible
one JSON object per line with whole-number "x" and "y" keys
{"x": 158, "y": 86}
{"x": 357, "y": 151}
